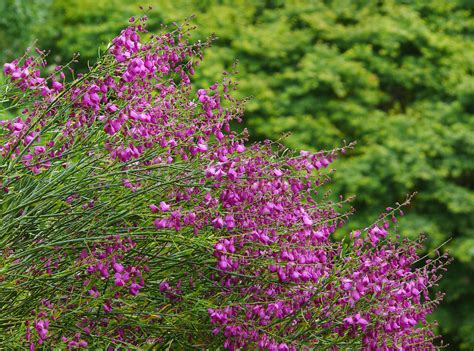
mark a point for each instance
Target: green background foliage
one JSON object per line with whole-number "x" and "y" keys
{"x": 397, "y": 76}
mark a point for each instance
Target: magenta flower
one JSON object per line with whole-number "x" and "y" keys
{"x": 248, "y": 245}
{"x": 118, "y": 268}
{"x": 164, "y": 206}
{"x": 134, "y": 288}
{"x": 121, "y": 278}
{"x": 41, "y": 327}
{"x": 154, "y": 208}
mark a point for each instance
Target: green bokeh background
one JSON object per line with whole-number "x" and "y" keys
{"x": 397, "y": 76}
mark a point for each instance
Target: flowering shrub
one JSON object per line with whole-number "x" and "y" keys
{"x": 134, "y": 218}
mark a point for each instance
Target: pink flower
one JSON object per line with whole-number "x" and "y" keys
{"x": 121, "y": 278}
{"x": 118, "y": 268}
{"x": 307, "y": 221}
{"x": 39, "y": 149}
{"x": 57, "y": 86}
{"x": 164, "y": 206}
{"x": 134, "y": 288}
{"x": 41, "y": 327}
{"x": 107, "y": 306}
{"x": 164, "y": 286}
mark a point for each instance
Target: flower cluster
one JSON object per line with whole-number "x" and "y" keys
{"x": 135, "y": 217}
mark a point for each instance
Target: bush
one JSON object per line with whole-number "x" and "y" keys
{"x": 394, "y": 75}
{"x": 132, "y": 217}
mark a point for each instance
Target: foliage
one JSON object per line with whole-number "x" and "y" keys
{"x": 238, "y": 253}
{"x": 21, "y": 23}
{"x": 397, "y": 76}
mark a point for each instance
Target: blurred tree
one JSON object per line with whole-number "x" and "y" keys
{"x": 397, "y": 76}
{"x": 21, "y": 22}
